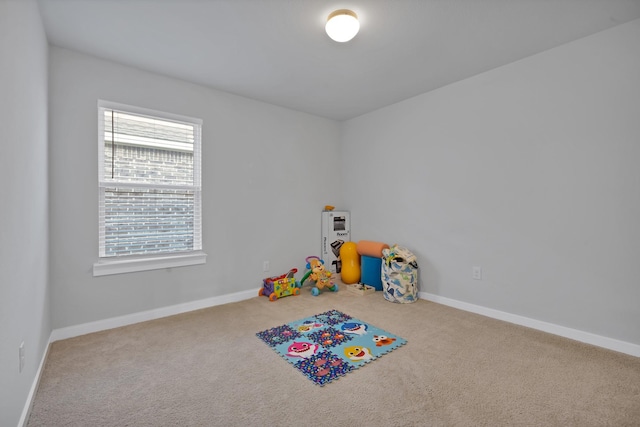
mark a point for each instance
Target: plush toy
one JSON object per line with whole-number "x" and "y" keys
{"x": 319, "y": 275}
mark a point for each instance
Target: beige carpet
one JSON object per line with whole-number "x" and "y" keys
{"x": 207, "y": 368}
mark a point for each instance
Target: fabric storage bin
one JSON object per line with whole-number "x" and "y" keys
{"x": 399, "y": 275}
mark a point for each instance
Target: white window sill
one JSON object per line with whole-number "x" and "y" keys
{"x": 106, "y": 267}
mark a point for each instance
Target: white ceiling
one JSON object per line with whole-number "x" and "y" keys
{"x": 276, "y": 50}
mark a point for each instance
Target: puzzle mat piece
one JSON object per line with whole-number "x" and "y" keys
{"x": 278, "y": 335}
{"x": 323, "y": 367}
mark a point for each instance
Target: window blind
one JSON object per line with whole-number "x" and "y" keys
{"x": 149, "y": 181}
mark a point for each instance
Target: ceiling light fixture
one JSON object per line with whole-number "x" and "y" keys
{"x": 342, "y": 25}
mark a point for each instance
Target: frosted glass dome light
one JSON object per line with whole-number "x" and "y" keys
{"x": 342, "y": 25}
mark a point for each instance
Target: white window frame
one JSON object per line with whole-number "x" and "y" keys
{"x": 133, "y": 263}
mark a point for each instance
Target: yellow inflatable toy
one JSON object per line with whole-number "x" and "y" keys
{"x": 350, "y": 263}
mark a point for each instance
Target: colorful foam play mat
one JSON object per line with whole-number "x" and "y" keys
{"x": 328, "y": 345}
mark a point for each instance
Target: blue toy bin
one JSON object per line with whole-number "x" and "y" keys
{"x": 370, "y": 271}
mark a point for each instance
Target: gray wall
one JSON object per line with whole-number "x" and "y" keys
{"x": 24, "y": 293}
{"x": 267, "y": 173}
{"x": 530, "y": 171}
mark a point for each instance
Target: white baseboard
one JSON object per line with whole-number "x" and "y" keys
{"x": 574, "y": 334}
{"x": 143, "y": 316}
{"x": 34, "y": 387}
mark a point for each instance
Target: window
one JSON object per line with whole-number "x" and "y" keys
{"x": 150, "y": 190}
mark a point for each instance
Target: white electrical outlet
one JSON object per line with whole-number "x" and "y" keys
{"x": 265, "y": 266}
{"x": 477, "y": 272}
{"x": 21, "y": 355}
